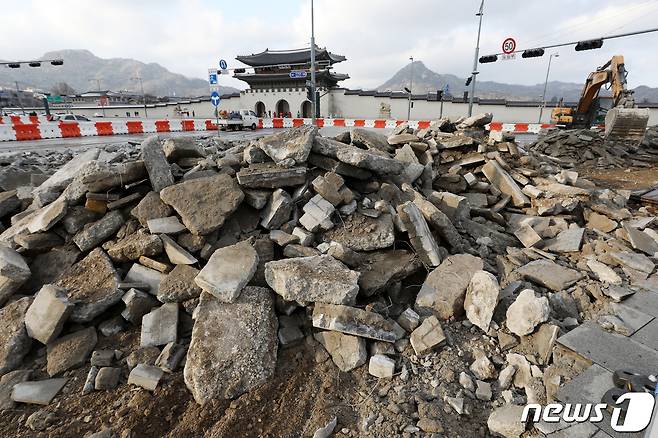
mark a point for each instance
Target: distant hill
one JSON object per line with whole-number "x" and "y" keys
{"x": 115, "y": 74}
{"x": 426, "y": 80}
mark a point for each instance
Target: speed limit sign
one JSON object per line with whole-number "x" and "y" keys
{"x": 509, "y": 45}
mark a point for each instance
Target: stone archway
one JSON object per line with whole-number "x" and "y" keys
{"x": 307, "y": 109}
{"x": 282, "y": 107}
{"x": 259, "y": 109}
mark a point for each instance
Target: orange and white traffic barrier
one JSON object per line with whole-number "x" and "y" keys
{"x": 18, "y": 128}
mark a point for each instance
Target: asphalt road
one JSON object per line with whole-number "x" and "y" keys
{"x": 8, "y": 147}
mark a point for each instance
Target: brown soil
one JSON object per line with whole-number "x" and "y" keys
{"x": 631, "y": 179}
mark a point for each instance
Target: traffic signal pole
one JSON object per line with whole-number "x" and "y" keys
{"x": 475, "y": 62}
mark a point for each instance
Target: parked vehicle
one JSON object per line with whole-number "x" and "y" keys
{"x": 239, "y": 120}
{"x": 70, "y": 118}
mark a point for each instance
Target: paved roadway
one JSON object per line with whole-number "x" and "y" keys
{"x": 8, "y": 147}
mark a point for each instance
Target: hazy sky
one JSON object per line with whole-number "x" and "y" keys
{"x": 376, "y": 36}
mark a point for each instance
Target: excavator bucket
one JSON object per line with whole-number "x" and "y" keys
{"x": 626, "y": 124}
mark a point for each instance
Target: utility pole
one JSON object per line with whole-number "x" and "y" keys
{"x": 18, "y": 96}
{"x": 315, "y": 95}
{"x": 475, "y": 61}
{"x": 543, "y": 96}
{"x": 141, "y": 84}
{"x": 100, "y": 100}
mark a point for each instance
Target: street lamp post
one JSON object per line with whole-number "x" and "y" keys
{"x": 543, "y": 96}
{"x": 100, "y": 98}
{"x": 141, "y": 84}
{"x": 314, "y": 100}
{"x": 18, "y": 96}
{"x": 475, "y": 61}
{"x": 411, "y": 85}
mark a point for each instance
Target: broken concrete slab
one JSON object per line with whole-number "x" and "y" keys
{"x": 427, "y": 336}
{"x": 526, "y": 312}
{"x": 381, "y": 366}
{"x": 9, "y": 202}
{"x": 567, "y": 241}
{"x": 134, "y": 246}
{"x": 41, "y": 392}
{"x": 379, "y": 164}
{"x": 151, "y": 207}
{"x": 47, "y": 314}
{"x": 506, "y": 421}
{"x": 316, "y": 279}
{"x": 419, "y": 234}
{"x": 138, "y": 304}
{"x": 363, "y": 233}
{"x": 92, "y": 285}
{"x": 294, "y": 143}
{"x": 175, "y": 148}
{"x": 641, "y": 240}
{"x": 97, "y": 232}
{"x": 270, "y": 176}
{"x": 228, "y": 271}
{"x": 357, "y": 322}
{"x": 504, "y": 182}
{"x": 65, "y": 174}
{"x": 160, "y": 326}
{"x": 165, "y": 225}
{"x": 632, "y": 260}
{"x": 601, "y": 223}
{"x": 156, "y": 163}
{"x": 444, "y": 289}
{"x": 603, "y": 272}
{"x": 204, "y": 203}
{"x": 481, "y": 299}
{"x": 48, "y": 216}
{"x": 145, "y": 376}
{"x": 179, "y": 285}
{"x": 13, "y": 266}
{"x": 369, "y": 139}
{"x": 317, "y": 214}
{"x": 148, "y": 276}
{"x": 175, "y": 253}
{"x": 7, "y": 383}
{"x": 70, "y": 351}
{"x": 347, "y": 352}
{"x": 549, "y": 274}
{"x": 233, "y": 347}
{"x": 277, "y": 211}
{"x": 14, "y": 340}
{"x": 381, "y": 268}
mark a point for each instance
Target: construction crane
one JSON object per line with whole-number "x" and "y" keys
{"x": 623, "y": 122}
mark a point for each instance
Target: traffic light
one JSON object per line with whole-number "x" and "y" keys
{"x": 35, "y": 64}
{"x": 488, "y": 58}
{"x": 57, "y": 62}
{"x": 309, "y": 93}
{"x": 14, "y": 65}
{"x": 532, "y": 53}
{"x": 439, "y": 95}
{"x": 468, "y": 81}
{"x": 239, "y": 70}
{"x": 589, "y": 45}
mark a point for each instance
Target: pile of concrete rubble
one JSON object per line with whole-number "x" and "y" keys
{"x": 376, "y": 252}
{"x": 587, "y": 148}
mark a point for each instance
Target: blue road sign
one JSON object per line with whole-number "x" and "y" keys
{"x": 214, "y": 98}
{"x": 222, "y": 64}
{"x": 212, "y": 78}
{"x": 296, "y": 74}
{"x": 446, "y": 90}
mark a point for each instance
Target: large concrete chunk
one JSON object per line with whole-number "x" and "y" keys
{"x": 444, "y": 289}
{"x": 145, "y": 376}
{"x": 363, "y": 233}
{"x": 320, "y": 279}
{"x": 182, "y": 147}
{"x": 419, "y": 234}
{"x": 70, "y": 351}
{"x": 228, "y": 271}
{"x": 41, "y": 392}
{"x": 506, "y": 421}
{"x": 175, "y": 253}
{"x": 270, "y": 176}
{"x": 347, "y": 352}
{"x": 549, "y": 274}
{"x": 14, "y": 340}
{"x": 134, "y": 246}
{"x": 151, "y": 207}
{"x": 48, "y": 216}
{"x": 233, "y": 347}
{"x": 504, "y": 182}
{"x": 277, "y": 211}
{"x": 527, "y": 312}
{"x": 13, "y": 266}
{"x": 632, "y": 260}
{"x": 481, "y": 299}
{"x": 98, "y": 232}
{"x": 160, "y": 326}
{"x": 179, "y": 285}
{"x": 381, "y": 268}
{"x": 370, "y": 139}
{"x": 357, "y": 322}
{"x": 379, "y": 164}
{"x": 427, "y": 336}
{"x": 8, "y": 202}
{"x": 60, "y": 179}
{"x": 92, "y": 284}
{"x": 48, "y": 313}
{"x": 317, "y": 214}
{"x": 138, "y": 304}
{"x": 148, "y": 276}
{"x": 204, "y": 203}
{"x": 156, "y": 164}
{"x": 7, "y": 383}
{"x": 294, "y": 143}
